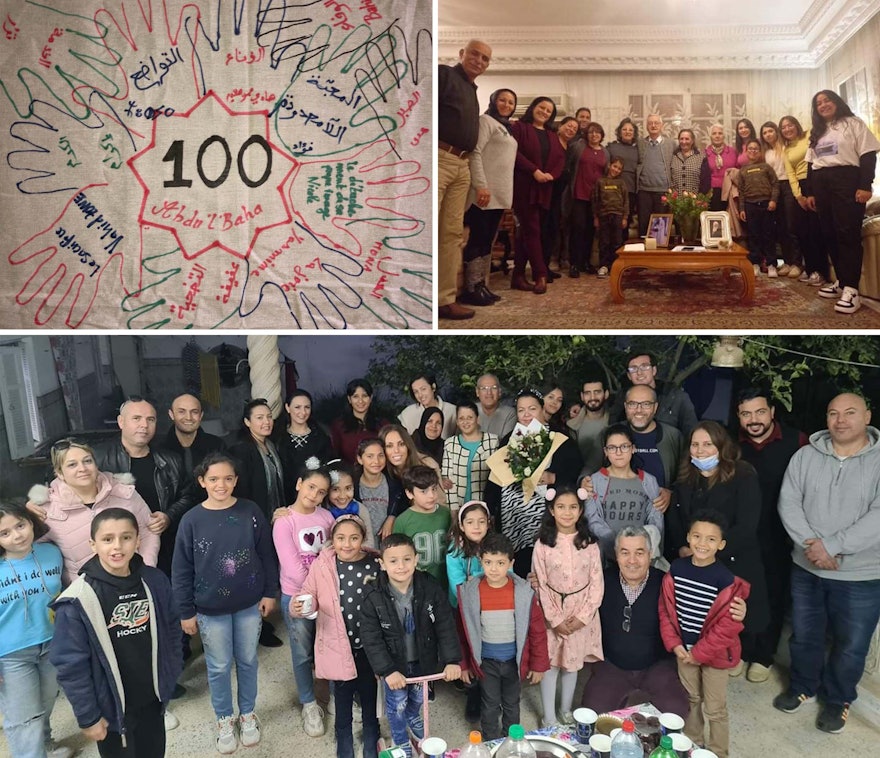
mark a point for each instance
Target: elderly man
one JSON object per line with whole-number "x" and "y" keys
{"x": 653, "y": 177}
{"x": 592, "y": 419}
{"x": 637, "y": 668}
{"x": 674, "y": 404}
{"x": 495, "y": 418}
{"x": 186, "y": 436}
{"x": 768, "y": 445}
{"x": 830, "y": 506}
{"x": 458, "y": 126}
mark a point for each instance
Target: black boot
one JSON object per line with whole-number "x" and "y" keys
{"x": 488, "y": 293}
{"x": 475, "y": 297}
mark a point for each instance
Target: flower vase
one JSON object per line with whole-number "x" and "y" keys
{"x": 689, "y": 228}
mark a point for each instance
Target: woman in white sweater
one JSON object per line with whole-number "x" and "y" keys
{"x": 491, "y": 193}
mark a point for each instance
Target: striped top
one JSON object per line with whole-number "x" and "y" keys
{"x": 696, "y": 588}
{"x": 497, "y": 623}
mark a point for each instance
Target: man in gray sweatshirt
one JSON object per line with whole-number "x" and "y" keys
{"x": 830, "y": 506}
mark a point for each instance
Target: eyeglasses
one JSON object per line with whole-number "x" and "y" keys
{"x": 625, "y": 448}
{"x": 644, "y": 405}
{"x": 66, "y": 444}
{"x": 627, "y": 617}
{"x": 640, "y": 367}
{"x": 488, "y": 388}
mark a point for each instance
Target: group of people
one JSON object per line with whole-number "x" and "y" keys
{"x": 520, "y": 543}
{"x": 803, "y": 190}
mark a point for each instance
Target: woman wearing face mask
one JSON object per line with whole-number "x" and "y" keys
{"x": 713, "y": 476}
{"x": 491, "y": 193}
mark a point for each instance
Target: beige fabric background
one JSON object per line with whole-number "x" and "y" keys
{"x": 215, "y": 164}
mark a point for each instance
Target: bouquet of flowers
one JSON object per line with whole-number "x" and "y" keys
{"x": 684, "y": 204}
{"x": 526, "y": 450}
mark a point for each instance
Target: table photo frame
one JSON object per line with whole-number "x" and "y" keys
{"x": 715, "y": 229}
{"x": 660, "y": 228}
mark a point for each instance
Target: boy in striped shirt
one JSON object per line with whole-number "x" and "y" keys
{"x": 696, "y": 625}
{"x": 504, "y": 636}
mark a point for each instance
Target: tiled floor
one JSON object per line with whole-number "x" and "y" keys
{"x": 756, "y": 728}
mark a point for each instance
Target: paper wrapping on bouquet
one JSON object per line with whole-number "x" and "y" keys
{"x": 500, "y": 473}
{"x": 214, "y": 164}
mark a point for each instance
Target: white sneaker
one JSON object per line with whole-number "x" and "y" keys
{"x": 772, "y": 273}
{"x": 227, "y": 742}
{"x": 809, "y": 278}
{"x": 313, "y": 719}
{"x": 816, "y": 280}
{"x": 757, "y": 269}
{"x": 54, "y": 750}
{"x": 830, "y": 291}
{"x": 602, "y": 273}
{"x": 171, "y": 721}
{"x": 849, "y": 301}
{"x": 249, "y": 729}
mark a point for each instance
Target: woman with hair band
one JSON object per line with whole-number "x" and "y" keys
{"x": 842, "y": 158}
{"x": 491, "y": 164}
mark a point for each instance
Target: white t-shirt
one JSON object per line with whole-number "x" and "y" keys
{"x": 843, "y": 144}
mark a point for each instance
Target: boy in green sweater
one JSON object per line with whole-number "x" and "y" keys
{"x": 610, "y": 213}
{"x": 425, "y": 521}
{"x": 759, "y": 191}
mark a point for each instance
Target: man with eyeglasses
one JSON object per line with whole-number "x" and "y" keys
{"x": 587, "y": 427}
{"x": 494, "y": 417}
{"x": 768, "y": 445}
{"x": 674, "y": 406}
{"x": 637, "y": 668}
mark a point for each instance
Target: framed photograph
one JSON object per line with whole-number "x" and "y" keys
{"x": 660, "y": 227}
{"x": 715, "y": 228}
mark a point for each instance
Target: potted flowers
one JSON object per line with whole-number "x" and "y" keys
{"x": 687, "y": 207}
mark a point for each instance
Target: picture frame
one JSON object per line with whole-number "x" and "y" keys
{"x": 660, "y": 228}
{"x": 715, "y": 229}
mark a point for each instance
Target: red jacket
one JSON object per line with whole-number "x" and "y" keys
{"x": 526, "y": 190}
{"x": 719, "y": 645}
{"x": 531, "y": 632}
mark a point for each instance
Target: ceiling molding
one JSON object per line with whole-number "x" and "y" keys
{"x": 823, "y": 29}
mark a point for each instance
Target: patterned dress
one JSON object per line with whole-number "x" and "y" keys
{"x": 570, "y": 583}
{"x": 521, "y": 522}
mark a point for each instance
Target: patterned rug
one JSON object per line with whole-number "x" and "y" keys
{"x": 666, "y": 300}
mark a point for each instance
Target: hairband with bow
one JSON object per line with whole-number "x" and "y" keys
{"x": 581, "y": 493}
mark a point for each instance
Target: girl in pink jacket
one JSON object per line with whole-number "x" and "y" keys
{"x": 78, "y": 492}
{"x": 336, "y": 581}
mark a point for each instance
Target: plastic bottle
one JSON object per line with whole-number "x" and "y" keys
{"x": 626, "y": 744}
{"x": 665, "y": 750}
{"x": 475, "y": 747}
{"x": 516, "y": 745}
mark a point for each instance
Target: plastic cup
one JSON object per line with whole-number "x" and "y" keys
{"x": 433, "y": 747}
{"x": 681, "y": 744}
{"x": 600, "y": 746}
{"x": 671, "y": 723}
{"x": 585, "y": 723}
{"x": 308, "y": 607}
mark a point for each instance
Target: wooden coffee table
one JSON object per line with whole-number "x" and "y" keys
{"x": 734, "y": 257}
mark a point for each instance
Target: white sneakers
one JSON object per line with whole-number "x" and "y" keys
{"x": 313, "y": 719}
{"x": 849, "y": 301}
{"x": 171, "y": 721}
{"x": 758, "y": 672}
{"x": 830, "y": 291}
{"x": 249, "y": 729}
{"x": 227, "y": 742}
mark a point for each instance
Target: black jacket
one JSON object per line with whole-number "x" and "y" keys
{"x": 172, "y": 485}
{"x": 674, "y": 407}
{"x": 382, "y": 633}
{"x": 203, "y": 444}
{"x": 293, "y": 459}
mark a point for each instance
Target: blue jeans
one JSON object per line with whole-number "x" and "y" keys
{"x": 227, "y": 638}
{"x": 404, "y": 709}
{"x": 302, "y": 651}
{"x": 343, "y": 693}
{"x": 850, "y": 610}
{"x": 27, "y": 695}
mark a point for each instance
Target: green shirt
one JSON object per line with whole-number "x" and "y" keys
{"x": 428, "y": 532}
